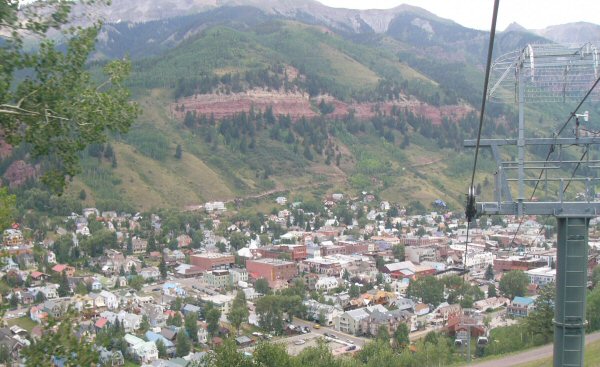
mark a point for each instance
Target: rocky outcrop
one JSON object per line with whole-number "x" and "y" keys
{"x": 19, "y": 172}
{"x": 298, "y": 105}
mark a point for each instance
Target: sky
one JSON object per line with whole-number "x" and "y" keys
{"x": 531, "y": 14}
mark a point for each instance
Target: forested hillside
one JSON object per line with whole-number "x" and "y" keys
{"x": 238, "y": 103}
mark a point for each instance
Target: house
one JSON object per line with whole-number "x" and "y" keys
{"x": 56, "y": 307}
{"x": 520, "y": 307}
{"x": 321, "y": 312}
{"x": 100, "y": 324}
{"x": 349, "y": 321}
{"x": 59, "y": 268}
{"x": 189, "y": 308}
{"x": 326, "y": 283}
{"x": 27, "y": 298}
{"x": 490, "y": 303}
{"x": 154, "y": 337}
{"x": 130, "y": 322}
{"x": 112, "y": 358}
{"x": 391, "y": 320}
{"x": 243, "y": 341}
{"x": 12, "y": 343}
{"x": 51, "y": 257}
{"x": 281, "y": 200}
{"x": 155, "y": 313}
{"x": 139, "y": 245}
{"x": 49, "y": 291}
{"x": 37, "y": 314}
{"x": 150, "y": 272}
{"x": 142, "y": 351}
{"x": 111, "y": 301}
{"x": 421, "y": 309}
{"x": 183, "y": 240}
{"x": 12, "y": 237}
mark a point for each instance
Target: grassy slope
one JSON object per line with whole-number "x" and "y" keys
{"x": 592, "y": 358}
{"x": 206, "y": 173}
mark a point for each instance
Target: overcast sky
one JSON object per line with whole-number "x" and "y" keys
{"x": 532, "y": 14}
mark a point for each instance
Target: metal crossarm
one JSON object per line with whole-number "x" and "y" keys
{"x": 551, "y": 73}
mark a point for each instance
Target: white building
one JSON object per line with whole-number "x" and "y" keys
{"x": 541, "y": 276}
{"x": 326, "y": 283}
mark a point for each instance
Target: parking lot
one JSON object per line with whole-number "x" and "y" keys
{"x": 294, "y": 344}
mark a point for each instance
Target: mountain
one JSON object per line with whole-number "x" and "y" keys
{"x": 579, "y": 32}
{"x": 269, "y": 97}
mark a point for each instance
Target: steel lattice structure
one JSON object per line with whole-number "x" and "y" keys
{"x": 551, "y": 73}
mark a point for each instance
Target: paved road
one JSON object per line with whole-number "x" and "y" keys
{"x": 329, "y": 330}
{"x": 530, "y": 355}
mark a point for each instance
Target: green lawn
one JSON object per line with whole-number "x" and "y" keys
{"x": 592, "y": 358}
{"x": 25, "y": 322}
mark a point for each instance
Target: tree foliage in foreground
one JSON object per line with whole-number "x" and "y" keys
{"x": 57, "y": 109}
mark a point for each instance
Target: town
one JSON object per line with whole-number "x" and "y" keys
{"x": 166, "y": 289}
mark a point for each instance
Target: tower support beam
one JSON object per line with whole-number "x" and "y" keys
{"x": 571, "y": 286}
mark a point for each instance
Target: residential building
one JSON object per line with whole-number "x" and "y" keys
{"x": 273, "y": 270}
{"x": 390, "y": 319}
{"x": 212, "y": 261}
{"x": 217, "y": 278}
{"x": 327, "y": 283}
{"x": 238, "y": 275}
{"x": 12, "y": 237}
{"x": 541, "y": 276}
{"x": 520, "y": 307}
{"x": 349, "y": 321}
{"x": 318, "y": 311}
{"x": 139, "y": 245}
{"x": 150, "y": 272}
{"x": 59, "y": 268}
{"x": 142, "y": 351}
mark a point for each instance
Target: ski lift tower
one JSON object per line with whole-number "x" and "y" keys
{"x": 551, "y": 73}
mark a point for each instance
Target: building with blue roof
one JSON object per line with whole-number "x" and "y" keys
{"x": 520, "y": 307}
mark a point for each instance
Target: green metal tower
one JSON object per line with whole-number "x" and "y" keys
{"x": 551, "y": 73}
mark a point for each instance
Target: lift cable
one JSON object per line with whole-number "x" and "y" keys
{"x": 470, "y": 210}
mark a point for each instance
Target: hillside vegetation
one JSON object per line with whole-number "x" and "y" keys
{"x": 385, "y": 113}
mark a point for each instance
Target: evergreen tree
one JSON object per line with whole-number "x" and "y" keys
{"x": 162, "y": 350}
{"x": 63, "y": 288}
{"x": 492, "y": 291}
{"x": 489, "y": 272}
{"x": 82, "y": 195}
{"x": 401, "y": 339}
{"x": 212, "y": 319}
{"x": 178, "y": 151}
{"x": 191, "y": 325}
{"x": 182, "y": 344}
{"x": 162, "y": 267}
{"x": 129, "y": 245}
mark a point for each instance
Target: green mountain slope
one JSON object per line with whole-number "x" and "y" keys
{"x": 419, "y": 98}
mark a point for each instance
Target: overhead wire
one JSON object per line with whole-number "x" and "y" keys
{"x": 551, "y": 150}
{"x": 470, "y": 209}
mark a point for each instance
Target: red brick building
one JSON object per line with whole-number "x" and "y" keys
{"x": 273, "y": 270}
{"x": 212, "y": 261}
{"x": 517, "y": 263}
{"x": 291, "y": 252}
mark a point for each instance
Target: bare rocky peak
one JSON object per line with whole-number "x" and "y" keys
{"x": 571, "y": 32}
{"x": 139, "y": 11}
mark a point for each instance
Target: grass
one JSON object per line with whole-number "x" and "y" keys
{"x": 592, "y": 357}
{"x": 25, "y": 322}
